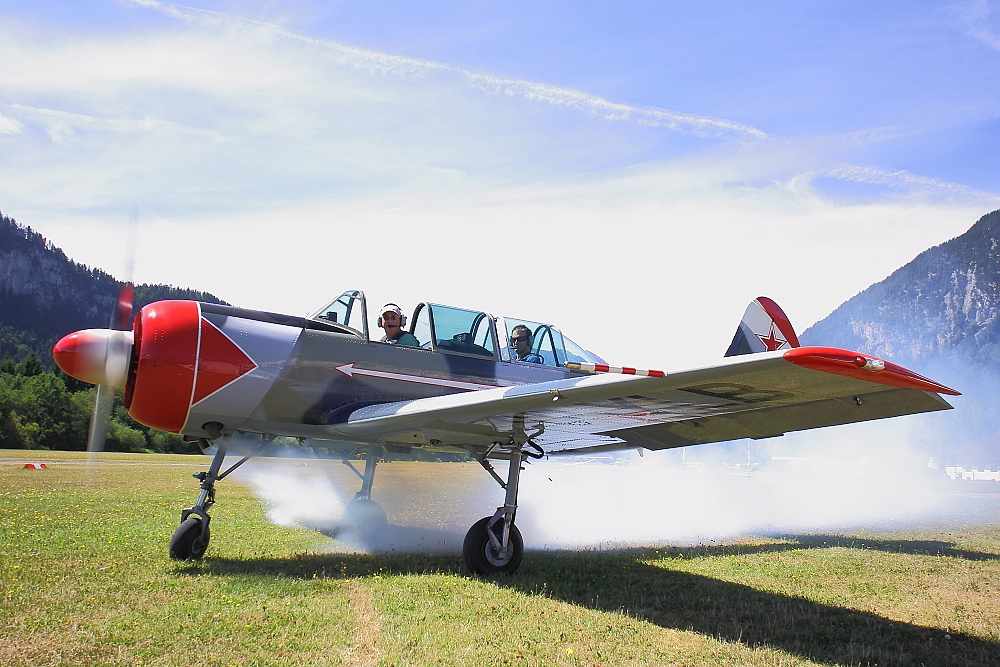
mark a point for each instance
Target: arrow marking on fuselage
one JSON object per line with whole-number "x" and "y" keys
{"x": 350, "y": 371}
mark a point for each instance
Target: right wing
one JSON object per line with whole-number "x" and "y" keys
{"x": 752, "y": 396}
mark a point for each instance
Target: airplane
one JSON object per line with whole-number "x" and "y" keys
{"x": 210, "y": 372}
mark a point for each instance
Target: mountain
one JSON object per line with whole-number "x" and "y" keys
{"x": 44, "y": 295}
{"x": 938, "y": 315}
{"x": 946, "y": 302}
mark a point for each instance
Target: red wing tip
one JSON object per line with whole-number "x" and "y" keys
{"x": 863, "y": 367}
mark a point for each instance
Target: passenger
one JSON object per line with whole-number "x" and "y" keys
{"x": 392, "y": 321}
{"x": 520, "y": 338}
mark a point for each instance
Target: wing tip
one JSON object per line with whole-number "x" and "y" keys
{"x": 863, "y": 367}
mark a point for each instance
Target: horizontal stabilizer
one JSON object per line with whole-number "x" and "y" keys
{"x": 764, "y": 328}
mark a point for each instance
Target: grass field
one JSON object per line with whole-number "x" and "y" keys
{"x": 86, "y": 581}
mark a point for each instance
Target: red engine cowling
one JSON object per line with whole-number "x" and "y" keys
{"x": 181, "y": 362}
{"x": 161, "y": 373}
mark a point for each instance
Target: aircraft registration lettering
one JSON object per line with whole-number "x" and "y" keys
{"x": 731, "y": 391}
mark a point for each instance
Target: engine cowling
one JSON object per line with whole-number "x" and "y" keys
{"x": 161, "y": 373}
{"x": 181, "y": 366}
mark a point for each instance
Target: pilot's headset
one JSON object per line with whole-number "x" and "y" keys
{"x": 523, "y": 328}
{"x": 394, "y": 308}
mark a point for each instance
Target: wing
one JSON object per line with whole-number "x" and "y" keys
{"x": 754, "y": 396}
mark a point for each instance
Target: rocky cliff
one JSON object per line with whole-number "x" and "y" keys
{"x": 943, "y": 304}
{"x": 44, "y": 294}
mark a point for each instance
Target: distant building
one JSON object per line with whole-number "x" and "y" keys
{"x": 977, "y": 460}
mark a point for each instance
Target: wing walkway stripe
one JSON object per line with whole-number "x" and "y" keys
{"x": 604, "y": 368}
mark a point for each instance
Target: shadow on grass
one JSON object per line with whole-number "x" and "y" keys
{"x": 814, "y": 541}
{"x": 622, "y": 582}
{"x": 737, "y": 613}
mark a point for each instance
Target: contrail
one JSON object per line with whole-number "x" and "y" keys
{"x": 903, "y": 179}
{"x": 378, "y": 62}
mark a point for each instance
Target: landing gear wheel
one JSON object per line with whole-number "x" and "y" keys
{"x": 363, "y": 518}
{"x": 480, "y": 555}
{"x": 188, "y": 543}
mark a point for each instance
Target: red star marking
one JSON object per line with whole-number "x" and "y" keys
{"x": 771, "y": 342}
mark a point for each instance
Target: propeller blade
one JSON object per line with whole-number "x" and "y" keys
{"x": 115, "y": 347}
{"x": 104, "y": 399}
{"x": 122, "y": 317}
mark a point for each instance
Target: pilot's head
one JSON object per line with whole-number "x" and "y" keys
{"x": 391, "y": 317}
{"x": 520, "y": 339}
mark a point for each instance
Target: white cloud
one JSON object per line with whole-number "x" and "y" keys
{"x": 384, "y": 63}
{"x": 224, "y": 113}
{"x": 650, "y": 267}
{"x": 905, "y": 180}
{"x": 63, "y": 124}
{"x": 276, "y": 169}
{"x": 9, "y": 126}
{"x": 974, "y": 17}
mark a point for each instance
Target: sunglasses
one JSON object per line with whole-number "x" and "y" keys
{"x": 517, "y": 339}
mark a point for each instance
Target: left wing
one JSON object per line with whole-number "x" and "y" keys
{"x": 754, "y": 396}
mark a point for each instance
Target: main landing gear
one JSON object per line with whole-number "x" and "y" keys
{"x": 364, "y": 517}
{"x": 493, "y": 545}
{"x": 191, "y": 538}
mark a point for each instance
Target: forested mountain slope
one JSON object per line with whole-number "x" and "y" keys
{"x": 45, "y": 295}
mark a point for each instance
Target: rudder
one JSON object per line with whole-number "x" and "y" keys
{"x": 764, "y": 328}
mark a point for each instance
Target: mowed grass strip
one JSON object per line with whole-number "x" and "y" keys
{"x": 85, "y": 579}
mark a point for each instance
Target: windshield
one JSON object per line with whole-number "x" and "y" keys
{"x": 455, "y": 330}
{"x": 576, "y": 353}
{"x": 539, "y": 343}
{"x": 532, "y": 342}
{"x": 347, "y": 310}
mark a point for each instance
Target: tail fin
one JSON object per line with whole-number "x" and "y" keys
{"x": 764, "y": 328}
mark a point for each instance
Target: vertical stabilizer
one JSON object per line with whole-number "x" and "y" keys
{"x": 764, "y": 328}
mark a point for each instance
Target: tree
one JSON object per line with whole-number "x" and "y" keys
{"x": 30, "y": 365}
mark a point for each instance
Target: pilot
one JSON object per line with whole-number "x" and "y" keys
{"x": 520, "y": 338}
{"x": 392, "y": 321}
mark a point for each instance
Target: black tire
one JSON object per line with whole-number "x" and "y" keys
{"x": 363, "y": 518}
{"x": 479, "y": 554}
{"x": 187, "y": 542}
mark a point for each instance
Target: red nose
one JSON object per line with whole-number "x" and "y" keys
{"x": 97, "y": 356}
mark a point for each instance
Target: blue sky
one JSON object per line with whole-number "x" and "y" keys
{"x": 657, "y": 163}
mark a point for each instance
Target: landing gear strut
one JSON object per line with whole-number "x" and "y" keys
{"x": 493, "y": 545}
{"x": 364, "y": 517}
{"x": 190, "y": 540}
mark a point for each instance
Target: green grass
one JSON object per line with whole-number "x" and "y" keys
{"x": 85, "y": 579}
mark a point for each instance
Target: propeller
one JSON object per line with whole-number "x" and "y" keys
{"x": 101, "y": 356}
{"x": 117, "y": 350}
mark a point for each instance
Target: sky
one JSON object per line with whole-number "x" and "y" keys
{"x": 632, "y": 172}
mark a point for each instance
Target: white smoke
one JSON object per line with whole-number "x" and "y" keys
{"x": 656, "y": 500}
{"x": 293, "y": 496}
{"x": 429, "y": 506}
{"x": 840, "y": 479}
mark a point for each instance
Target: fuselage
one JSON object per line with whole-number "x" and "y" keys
{"x": 193, "y": 364}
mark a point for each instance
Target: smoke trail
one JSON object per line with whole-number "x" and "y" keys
{"x": 652, "y": 501}
{"x": 863, "y": 475}
{"x": 429, "y": 506}
{"x": 293, "y": 495}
